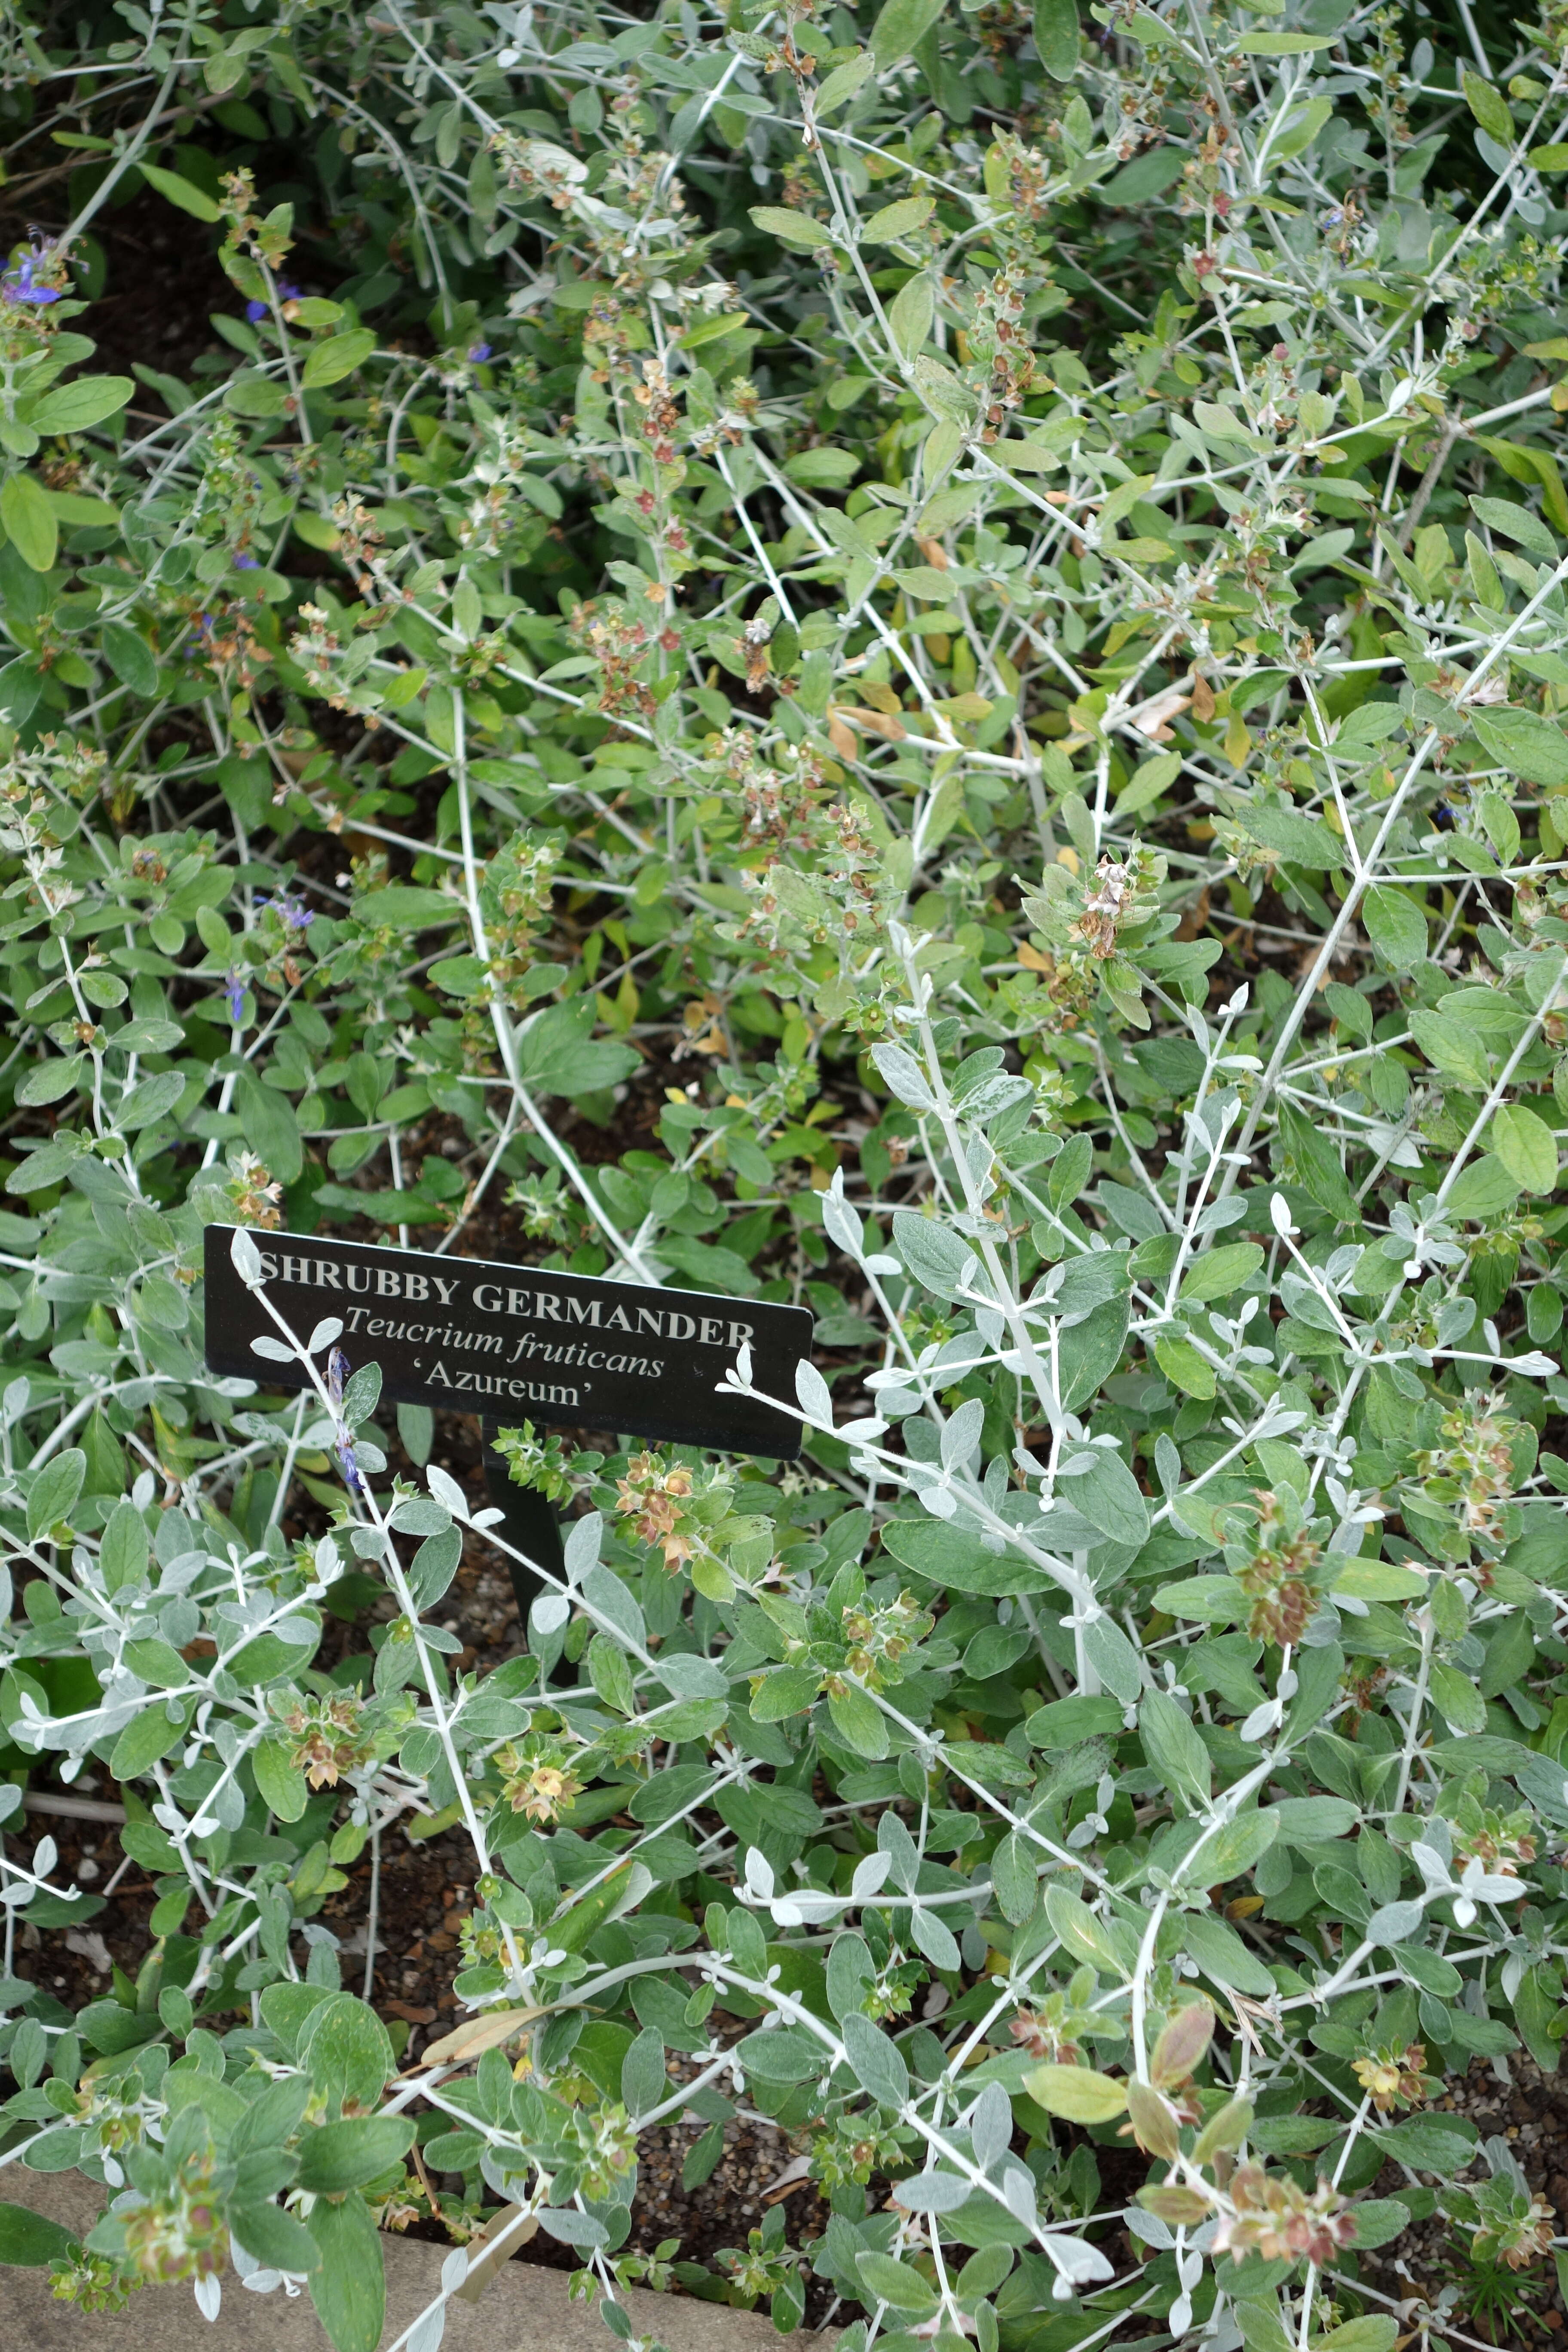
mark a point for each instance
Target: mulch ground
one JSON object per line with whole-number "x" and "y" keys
{"x": 1510, "y": 2099}
{"x": 704, "y": 2221}
{"x": 426, "y": 1887}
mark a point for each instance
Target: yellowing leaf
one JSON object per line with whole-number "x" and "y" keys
{"x": 1077, "y": 2094}
{"x": 1181, "y": 2044}
{"x": 29, "y": 521}
{"x": 1225, "y": 2129}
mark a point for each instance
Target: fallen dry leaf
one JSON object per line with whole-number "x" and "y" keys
{"x": 476, "y": 2035}
{"x": 796, "y": 2175}
{"x": 870, "y": 722}
{"x": 512, "y": 2227}
{"x": 1151, "y": 721}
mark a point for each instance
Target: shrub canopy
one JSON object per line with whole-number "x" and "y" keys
{"x": 910, "y": 664}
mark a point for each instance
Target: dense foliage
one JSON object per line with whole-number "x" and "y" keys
{"x": 909, "y": 662}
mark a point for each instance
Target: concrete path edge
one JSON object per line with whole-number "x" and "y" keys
{"x": 525, "y": 2308}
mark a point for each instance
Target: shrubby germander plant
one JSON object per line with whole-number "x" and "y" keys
{"x": 949, "y": 629}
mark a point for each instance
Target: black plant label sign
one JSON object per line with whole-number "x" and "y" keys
{"x": 516, "y": 1341}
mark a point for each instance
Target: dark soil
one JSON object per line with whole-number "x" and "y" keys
{"x": 163, "y": 283}
{"x": 421, "y": 1883}
{"x": 716, "y": 2216}
{"x": 1510, "y": 2099}
{"x": 425, "y": 1888}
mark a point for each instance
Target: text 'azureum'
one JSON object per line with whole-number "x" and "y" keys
{"x": 470, "y": 1335}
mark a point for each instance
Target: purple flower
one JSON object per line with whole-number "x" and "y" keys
{"x": 234, "y": 991}
{"x": 338, "y": 1371}
{"x": 347, "y": 1462}
{"x": 291, "y": 910}
{"x": 255, "y": 311}
{"x": 246, "y": 563}
{"x": 479, "y": 352}
{"x": 20, "y": 282}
